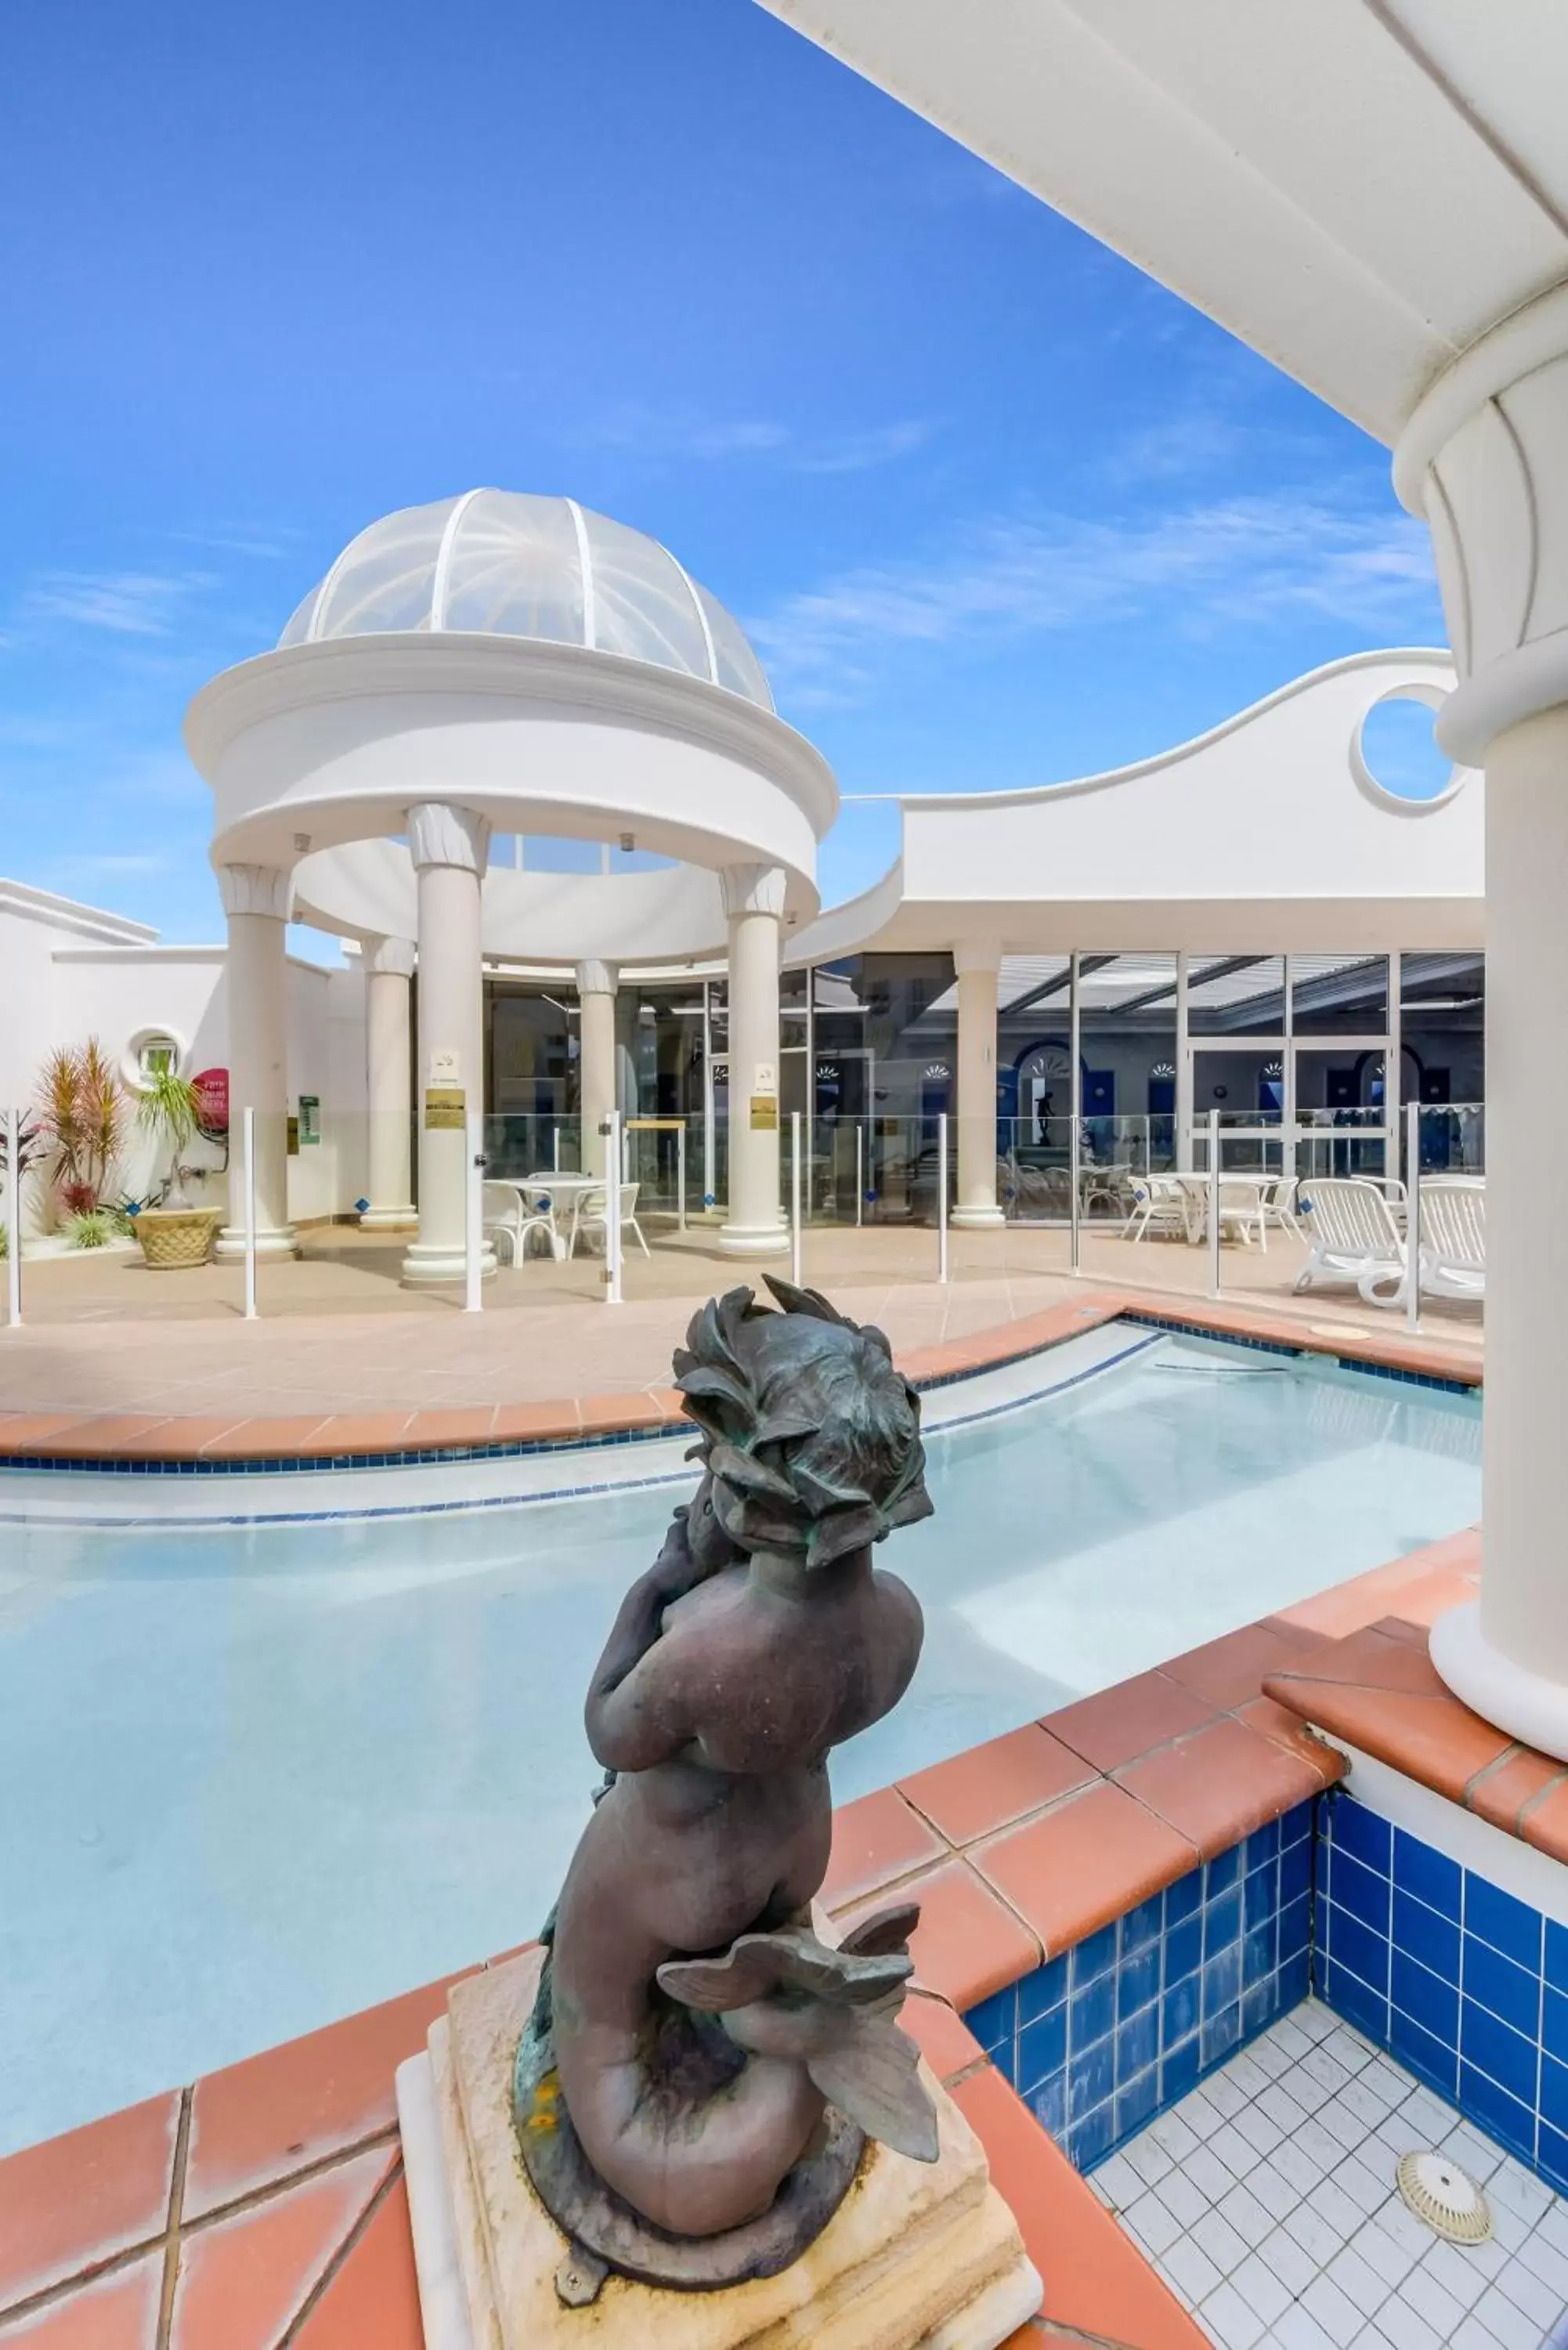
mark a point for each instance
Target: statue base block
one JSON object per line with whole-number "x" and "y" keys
{"x": 920, "y": 2256}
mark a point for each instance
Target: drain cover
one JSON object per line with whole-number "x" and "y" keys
{"x": 1446, "y": 2197}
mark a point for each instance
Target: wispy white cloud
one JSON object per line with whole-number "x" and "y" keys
{"x": 270, "y": 544}
{"x": 687, "y": 434}
{"x": 112, "y": 867}
{"x": 859, "y": 451}
{"x": 125, "y": 603}
{"x": 1229, "y": 563}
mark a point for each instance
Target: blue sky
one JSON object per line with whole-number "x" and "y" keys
{"x": 995, "y": 509}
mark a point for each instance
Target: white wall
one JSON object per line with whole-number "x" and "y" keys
{"x": 68, "y": 973}
{"x": 327, "y": 1058}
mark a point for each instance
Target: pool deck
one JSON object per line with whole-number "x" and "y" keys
{"x": 349, "y": 1387}
{"x": 264, "y": 2208}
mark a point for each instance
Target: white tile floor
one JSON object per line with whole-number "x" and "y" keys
{"x": 1266, "y": 2200}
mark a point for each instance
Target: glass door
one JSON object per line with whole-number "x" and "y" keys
{"x": 1243, "y": 1084}
{"x": 1341, "y": 1108}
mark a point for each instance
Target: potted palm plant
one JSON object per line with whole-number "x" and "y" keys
{"x": 173, "y": 1230}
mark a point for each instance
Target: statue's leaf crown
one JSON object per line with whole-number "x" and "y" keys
{"x": 810, "y": 1435}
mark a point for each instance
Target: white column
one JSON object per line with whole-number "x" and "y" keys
{"x": 255, "y": 899}
{"x": 1394, "y": 1072}
{"x": 1183, "y": 1067}
{"x": 754, "y": 904}
{"x": 977, "y": 962}
{"x": 449, "y": 847}
{"x": 388, "y": 1068}
{"x": 596, "y": 1057}
{"x": 1485, "y": 458}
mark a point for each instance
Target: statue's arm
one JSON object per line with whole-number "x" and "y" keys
{"x": 631, "y": 1719}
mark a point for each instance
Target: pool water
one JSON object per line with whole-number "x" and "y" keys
{"x": 258, "y": 1777}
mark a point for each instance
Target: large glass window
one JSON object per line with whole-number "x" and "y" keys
{"x": 1127, "y": 1039}
{"x": 1442, "y": 1022}
{"x": 1236, "y": 995}
{"x": 1332, "y": 995}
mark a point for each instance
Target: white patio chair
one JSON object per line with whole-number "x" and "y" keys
{"x": 1352, "y": 1236}
{"x": 1242, "y": 1213}
{"x": 590, "y": 1214}
{"x": 1159, "y": 1205}
{"x": 503, "y": 1216}
{"x": 1453, "y": 1235}
{"x": 1280, "y": 1208}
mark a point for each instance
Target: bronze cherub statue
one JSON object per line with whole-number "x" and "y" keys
{"x": 693, "y": 2090}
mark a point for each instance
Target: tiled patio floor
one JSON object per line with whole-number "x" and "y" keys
{"x": 338, "y": 1335}
{"x": 1267, "y": 2202}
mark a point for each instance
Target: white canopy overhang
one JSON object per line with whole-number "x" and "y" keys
{"x": 1268, "y": 834}
{"x": 1357, "y": 188}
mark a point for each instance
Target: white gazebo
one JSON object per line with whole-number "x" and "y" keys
{"x": 1374, "y": 193}
{"x": 500, "y": 663}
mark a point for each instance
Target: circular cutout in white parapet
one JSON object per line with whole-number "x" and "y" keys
{"x": 1445, "y": 2197}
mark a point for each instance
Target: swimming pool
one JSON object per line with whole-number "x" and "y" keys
{"x": 257, "y": 1777}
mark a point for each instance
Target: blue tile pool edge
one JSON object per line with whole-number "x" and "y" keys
{"x": 1104, "y": 2037}
{"x": 1458, "y": 1981}
{"x": 1463, "y": 1983}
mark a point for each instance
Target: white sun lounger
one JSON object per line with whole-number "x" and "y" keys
{"x": 1453, "y": 1235}
{"x": 1352, "y": 1236}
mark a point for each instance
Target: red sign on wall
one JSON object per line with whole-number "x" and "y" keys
{"x": 212, "y": 1087}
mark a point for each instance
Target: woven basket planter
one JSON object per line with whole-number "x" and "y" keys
{"x": 176, "y": 1236}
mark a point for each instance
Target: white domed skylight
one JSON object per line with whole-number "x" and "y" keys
{"x": 503, "y": 563}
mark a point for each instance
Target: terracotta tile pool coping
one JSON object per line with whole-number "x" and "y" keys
{"x": 273, "y": 2190}
{"x": 66, "y": 1440}
{"x": 1376, "y": 1688}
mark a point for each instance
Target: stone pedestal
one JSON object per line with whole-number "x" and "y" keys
{"x": 918, "y": 2256}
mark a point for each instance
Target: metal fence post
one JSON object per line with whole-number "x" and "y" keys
{"x": 473, "y": 1218}
{"x": 611, "y": 1132}
{"x": 1213, "y": 1203}
{"x": 1413, "y": 1216}
{"x": 249, "y": 1182}
{"x": 942, "y": 1196}
{"x": 14, "y": 1217}
{"x": 795, "y": 1197}
{"x": 1073, "y": 1182}
{"x": 859, "y": 1171}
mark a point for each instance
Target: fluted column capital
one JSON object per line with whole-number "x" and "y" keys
{"x": 597, "y": 978}
{"x": 1484, "y": 458}
{"x": 440, "y": 833}
{"x": 753, "y": 890}
{"x": 255, "y": 889}
{"x": 388, "y": 958}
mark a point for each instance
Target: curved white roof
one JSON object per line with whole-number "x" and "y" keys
{"x": 503, "y": 563}
{"x": 1269, "y": 832}
{"x": 1357, "y": 188}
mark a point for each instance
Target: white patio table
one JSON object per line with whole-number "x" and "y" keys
{"x": 1196, "y": 1186}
